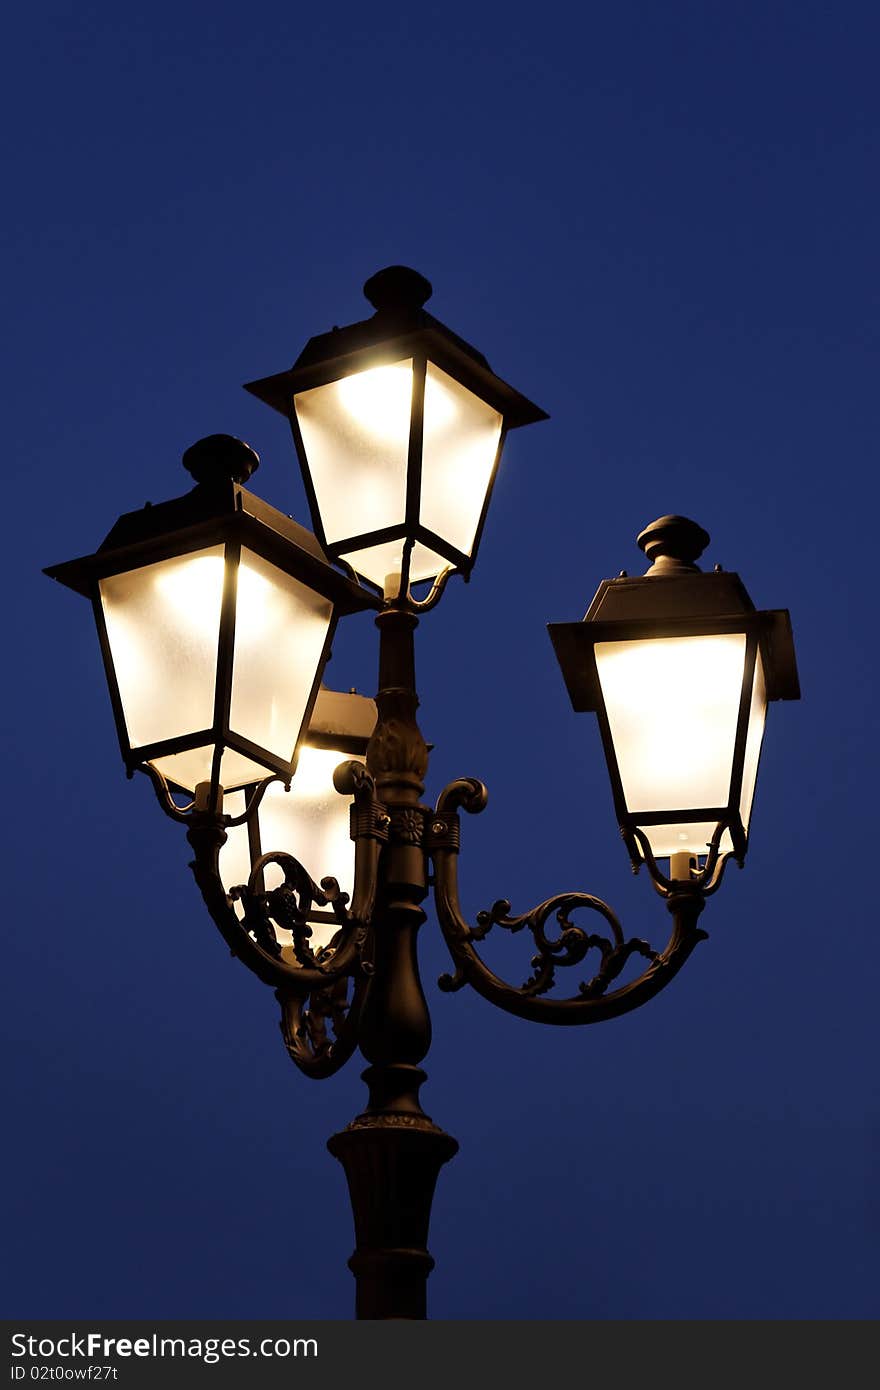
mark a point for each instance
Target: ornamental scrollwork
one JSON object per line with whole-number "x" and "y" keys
{"x": 594, "y": 999}
{"x": 321, "y": 989}
{"x": 571, "y": 946}
{"x": 289, "y": 906}
{"x": 320, "y": 1028}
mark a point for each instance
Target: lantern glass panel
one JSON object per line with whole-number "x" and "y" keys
{"x": 672, "y": 705}
{"x": 380, "y": 561}
{"x": 356, "y": 437}
{"x": 163, "y": 625}
{"x": 195, "y": 765}
{"x": 280, "y": 629}
{"x": 757, "y": 719}
{"x": 235, "y": 855}
{"x": 311, "y": 822}
{"x": 461, "y": 437}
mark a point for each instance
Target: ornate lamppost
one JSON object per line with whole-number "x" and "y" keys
{"x": 214, "y": 613}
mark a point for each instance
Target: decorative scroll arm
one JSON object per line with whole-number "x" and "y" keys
{"x": 572, "y": 944}
{"x": 319, "y": 1023}
{"x": 593, "y": 1001}
{"x": 252, "y": 939}
{"x": 184, "y": 814}
{"x": 320, "y": 1030}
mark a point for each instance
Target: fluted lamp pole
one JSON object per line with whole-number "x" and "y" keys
{"x": 399, "y": 424}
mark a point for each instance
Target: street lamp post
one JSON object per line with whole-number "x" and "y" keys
{"x": 399, "y": 427}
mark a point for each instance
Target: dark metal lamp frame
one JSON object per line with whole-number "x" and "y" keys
{"x": 341, "y": 723}
{"x": 676, "y": 599}
{"x": 363, "y": 991}
{"x": 217, "y": 511}
{"x": 400, "y": 330}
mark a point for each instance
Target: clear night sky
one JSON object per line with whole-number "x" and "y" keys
{"x": 660, "y": 221}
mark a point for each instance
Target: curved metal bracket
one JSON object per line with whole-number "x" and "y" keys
{"x": 320, "y": 1030}
{"x": 184, "y": 814}
{"x": 288, "y": 905}
{"x": 252, "y": 939}
{"x": 434, "y": 595}
{"x": 706, "y": 880}
{"x": 571, "y": 946}
{"x": 319, "y": 1023}
{"x": 592, "y": 1002}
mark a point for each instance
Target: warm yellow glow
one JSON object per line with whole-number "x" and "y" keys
{"x": 672, "y": 706}
{"x": 163, "y": 622}
{"x": 311, "y": 822}
{"x": 195, "y": 589}
{"x": 280, "y": 630}
{"x": 314, "y": 777}
{"x": 235, "y": 855}
{"x": 754, "y": 738}
{"x": 163, "y": 625}
{"x": 379, "y": 561}
{"x": 380, "y": 399}
{"x": 356, "y": 431}
{"x": 458, "y": 459}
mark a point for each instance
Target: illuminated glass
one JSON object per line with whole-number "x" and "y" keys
{"x": 280, "y": 630}
{"x": 754, "y": 738}
{"x": 356, "y": 437}
{"x": 672, "y": 706}
{"x": 310, "y": 822}
{"x": 163, "y": 624}
{"x": 379, "y": 561}
{"x": 461, "y": 440}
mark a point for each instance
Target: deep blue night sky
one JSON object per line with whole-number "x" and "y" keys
{"x": 661, "y": 222}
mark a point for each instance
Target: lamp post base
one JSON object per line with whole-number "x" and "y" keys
{"x": 391, "y": 1162}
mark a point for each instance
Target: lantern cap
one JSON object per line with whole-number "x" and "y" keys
{"x": 342, "y": 720}
{"x": 400, "y": 328}
{"x": 220, "y": 458}
{"x": 673, "y": 544}
{"x": 397, "y": 287}
{"x": 688, "y": 602}
{"x": 210, "y": 515}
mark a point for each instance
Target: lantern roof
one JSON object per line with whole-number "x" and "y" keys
{"x": 674, "y": 598}
{"x": 400, "y": 327}
{"x": 342, "y": 719}
{"x": 217, "y": 508}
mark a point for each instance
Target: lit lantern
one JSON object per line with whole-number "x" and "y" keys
{"x": 215, "y": 614}
{"x": 310, "y": 820}
{"x": 679, "y": 668}
{"x": 399, "y": 426}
